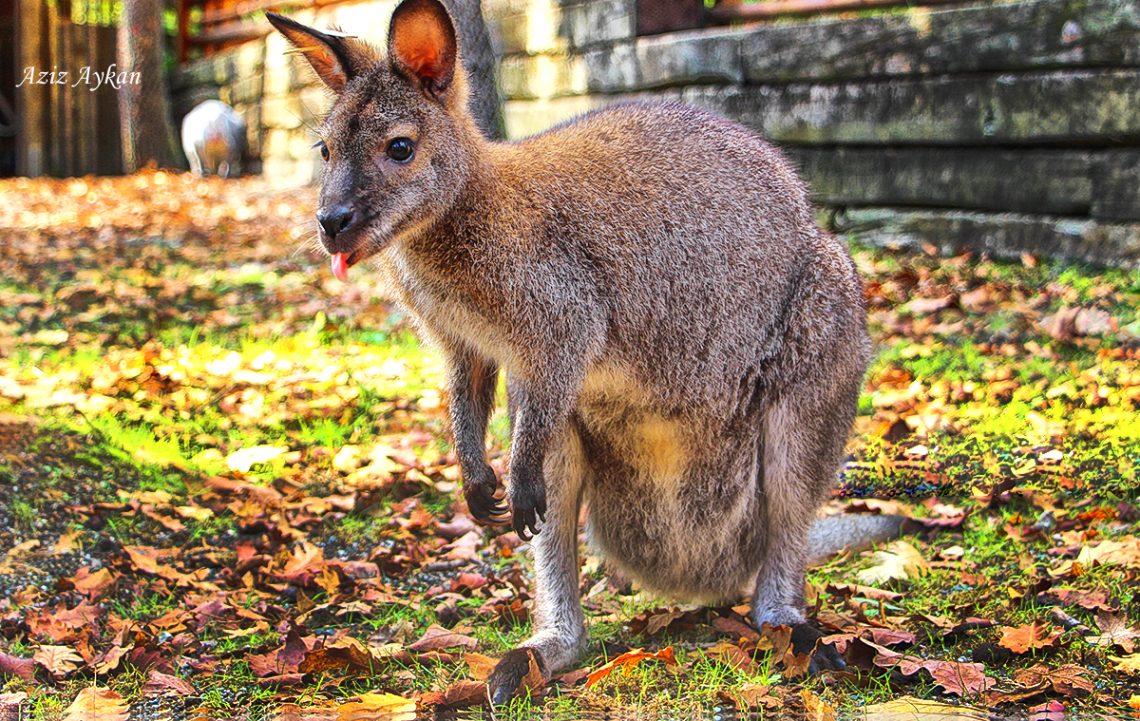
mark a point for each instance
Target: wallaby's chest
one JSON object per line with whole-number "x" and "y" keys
{"x": 443, "y": 311}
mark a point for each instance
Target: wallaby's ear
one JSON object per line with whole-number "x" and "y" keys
{"x": 336, "y": 59}
{"x": 422, "y": 45}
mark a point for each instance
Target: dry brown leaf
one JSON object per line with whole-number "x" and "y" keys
{"x": 1065, "y": 680}
{"x": 1115, "y": 632}
{"x": 480, "y": 666}
{"x": 899, "y": 561}
{"x": 162, "y": 684}
{"x": 437, "y": 638}
{"x": 1128, "y": 664}
{"x": 1033, "y": 637}
{"x": 461, "y": 694}
{"x": 58, "y": 660}
{"x": 916, "y": 709}
{"x": 24, "y": 668}
{"x": 815, "y": 708}
{"x": 373, "y": 706}
{"x": 97, "y": 704}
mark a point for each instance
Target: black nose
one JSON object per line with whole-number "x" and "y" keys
{"x": 336, "y": 220}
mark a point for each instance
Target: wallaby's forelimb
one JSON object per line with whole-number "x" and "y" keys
{"x": 542, "y": 407}
{"x": 472, "y": 384}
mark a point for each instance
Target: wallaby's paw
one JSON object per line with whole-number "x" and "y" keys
{"x": 824, "y": 658}
{"x": 520, "y": 669}
{"x": 528, "y": 506}
{"x": 486, "y": 507}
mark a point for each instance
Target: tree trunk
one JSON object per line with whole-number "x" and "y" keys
{"x": 479, "y": 61}
{"x": 144, "y": 99}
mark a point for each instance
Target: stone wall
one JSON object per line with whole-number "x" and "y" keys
{"x": 1010, "y": 127}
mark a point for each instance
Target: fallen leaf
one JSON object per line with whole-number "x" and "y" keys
{"x": 24, "y": 668}
{"x": 628, "y": 661}
{"x": 480, "y": 666}
{"x": 58, "y": 660}
{"x": 1033, "y": 637}
{"x": 900, "y": 561}
{"x": 97, "y": 704}
{"x": 917, "y": 709}
{"x": 1128, "y": 664}
{"x": 437, "y": 638}
{"x": 929, "y": 305}
{"x": 1065, "y": 680}
{"x": 162, "y": 684}
{"x": 815, "y": 708}
{"x": 1115, "y": 632}
{"x": 461, "y": 694}
{"x": 373, "y": 706}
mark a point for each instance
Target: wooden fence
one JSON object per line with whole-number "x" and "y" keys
{"x": 67, "y": 115}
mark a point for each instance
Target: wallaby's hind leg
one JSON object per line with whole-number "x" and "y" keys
{"x": 559, "y": 626}
{"x": 802, "y": 447}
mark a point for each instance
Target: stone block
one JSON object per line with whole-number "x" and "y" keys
{"x": 1000, "y": 37}
{"x": 531, "y": 33}
{"x": 1086, "y": 106}
{"x": 193, "y": 75}
{"x": 225, "y": 68}
{"x": 250, "y": 59}
{"x": 1004, "y": 236}
{"x": 539, "y": 76}
{"x": 1030, "y": 181}
{"x": 247, "y": 88}
{"x": 496, "y": 9}
{"x": 285, "y": 112}
{"x": 1116, "y": 185}
{"x": 275, "y": 144}
{"x": 611, "y": 68}
{"x": 690, "y": 58}
{"x": 597, "y": 21}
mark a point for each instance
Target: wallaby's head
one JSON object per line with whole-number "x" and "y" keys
{"x": 398, "y": 141}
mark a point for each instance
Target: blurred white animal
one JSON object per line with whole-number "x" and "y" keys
{"x": 213, "y": 136}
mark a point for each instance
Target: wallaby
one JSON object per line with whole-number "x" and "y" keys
{"x": 683, "y": 346}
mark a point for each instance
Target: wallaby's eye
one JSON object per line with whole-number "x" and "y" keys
{"x": 324, "y": 150}
{"x": 401, "y": 149}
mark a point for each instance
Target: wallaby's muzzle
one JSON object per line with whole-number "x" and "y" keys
{"x": 336, "y": 220}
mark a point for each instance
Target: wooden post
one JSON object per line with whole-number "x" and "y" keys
{"x": 108, "y": 134}
{"x": 31, "y": 100}
{"x": 81, "y": 99}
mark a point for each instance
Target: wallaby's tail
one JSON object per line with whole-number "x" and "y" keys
{"x": 856, "y": 531}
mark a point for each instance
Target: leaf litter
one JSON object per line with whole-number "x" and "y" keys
{"x": 226, "y": 484}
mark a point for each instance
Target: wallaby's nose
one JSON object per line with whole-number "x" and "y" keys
{"x": 336, "y": 219}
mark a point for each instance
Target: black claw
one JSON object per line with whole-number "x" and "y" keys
{"x": 508, "y": 677}
{"x": 825, "y": 656}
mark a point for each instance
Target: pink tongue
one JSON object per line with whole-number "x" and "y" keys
{"x": 340, "y": 267}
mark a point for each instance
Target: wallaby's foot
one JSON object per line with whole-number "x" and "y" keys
{"x": 528, "y": 506}
{"x": 479, "y": 490}
{"x": 512, "y": 670}
{"x": 824, "y": 658}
